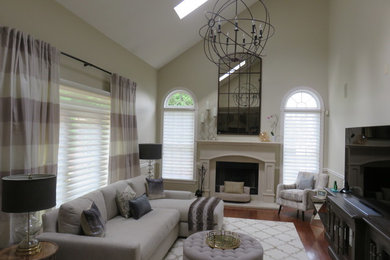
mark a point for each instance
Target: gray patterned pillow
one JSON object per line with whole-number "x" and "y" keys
{"x": 155, "y": 188}
{"x": 122, "y": 201}
{"x": 92, "y": 222}
{"x": 305, "y": 182}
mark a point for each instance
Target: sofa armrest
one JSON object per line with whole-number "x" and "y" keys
{"x": 282, "y": 186}
{"x": 307, "y": 194}
{"x": 49, "y": 221}
{"x": 86, "y": 247}
{"x": 178, "y": 194}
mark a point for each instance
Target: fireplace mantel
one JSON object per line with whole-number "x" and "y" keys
{"x": 267, "y": 154}
{"x": 263, "y": 151}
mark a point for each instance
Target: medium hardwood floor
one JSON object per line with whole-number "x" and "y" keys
{"x": 311, "y": 234}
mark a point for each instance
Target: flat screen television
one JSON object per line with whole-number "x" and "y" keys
{"x": 367, "y": 165}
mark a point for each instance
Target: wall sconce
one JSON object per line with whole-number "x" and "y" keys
{"x": 202, "y": 118}
{"x": 215, "y": 112}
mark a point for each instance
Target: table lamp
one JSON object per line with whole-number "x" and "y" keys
{"x": 150, "y": 152}
{"x": 28, "y": 193}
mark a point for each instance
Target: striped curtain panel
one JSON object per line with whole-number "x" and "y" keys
{"x": 29, "y": 111}
{"x": 124, "y": 157}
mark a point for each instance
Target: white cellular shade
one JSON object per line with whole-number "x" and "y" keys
{"x": 302, "y": 135}
{"x": 84, "y": 143}
{"x": 178, "y": 144}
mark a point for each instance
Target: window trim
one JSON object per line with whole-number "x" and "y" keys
{"x": 195, "y": 109}
{"x": 321, "y": 111}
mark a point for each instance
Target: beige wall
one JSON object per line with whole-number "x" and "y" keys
{"x": 359, "y": 70}
{"x": 296, "y": 56}
{"x": 49, "y": 21}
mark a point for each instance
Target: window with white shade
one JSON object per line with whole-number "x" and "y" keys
{"x": 84, "y": 142}
{"x": 302, "y": 134}
{"x": 178, "y": 136}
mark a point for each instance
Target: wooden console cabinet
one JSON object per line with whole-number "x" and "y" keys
{"x": 351, "y": 234}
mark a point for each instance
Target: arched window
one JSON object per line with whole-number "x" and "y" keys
{"x": 178, "y": 136}
{"x": 302, "y": 133}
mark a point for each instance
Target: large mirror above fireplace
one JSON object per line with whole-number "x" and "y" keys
{"x": 239, "y": 96}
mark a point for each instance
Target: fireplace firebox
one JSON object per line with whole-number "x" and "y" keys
{"x": 240, "y": 172}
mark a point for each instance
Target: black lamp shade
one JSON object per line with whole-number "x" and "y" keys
{"x": 28, "y": 193}
{"x": 150, "y": 151}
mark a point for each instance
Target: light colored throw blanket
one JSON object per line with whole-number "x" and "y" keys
{"x": 201, "y": 214}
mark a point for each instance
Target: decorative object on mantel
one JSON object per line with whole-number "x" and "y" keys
{"x": 208, "y": 120}
{"x": 28, "y": 193}
{"x": 248, "y": 36}
{"x": 274, "y": 120}
{"x": 264, "y": 137}
{"x": 201, "y": 173}
{"x": 150, "y": 152}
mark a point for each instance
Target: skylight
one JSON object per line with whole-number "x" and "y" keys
{"x": 224, "y": 76}
{"x": 187, "y": 6}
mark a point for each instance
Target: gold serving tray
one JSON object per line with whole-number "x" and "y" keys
{"x": 222, "y": 239}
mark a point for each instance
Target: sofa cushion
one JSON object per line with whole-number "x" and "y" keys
{"x": 182, "y": 206}
{"x": 69, "y": 216}
{"x": 97, "y": 197}
{"x": 139, "y": 206}
{"x": 292, "y": 194}
{"x": 92, "y": 223}
{"x": 149, "y": 231}
{"x": 109, "y": 194}
{"x": 122, "y": 201}
{"x": 138, "y": 184}
{"x": 155, "y": 188}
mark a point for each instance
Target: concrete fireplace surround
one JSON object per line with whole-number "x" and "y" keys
{"x": 267, "y": 155}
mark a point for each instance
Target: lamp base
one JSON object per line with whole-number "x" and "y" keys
{"x": 28, "y": 247}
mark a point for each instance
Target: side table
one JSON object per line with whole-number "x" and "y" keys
{"x": 318, "y": 202}
{"x": 48, "y": 251}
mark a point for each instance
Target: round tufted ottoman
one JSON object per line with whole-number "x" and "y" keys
{"x": 195, "y": 248}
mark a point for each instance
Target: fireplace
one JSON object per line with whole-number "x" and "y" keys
{"x": 238, "y": 171}
{"x": 266, "y": 156}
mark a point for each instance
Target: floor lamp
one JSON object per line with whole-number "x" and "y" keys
{"x": 28, "y": 193}
{"x": 150, "y": 152}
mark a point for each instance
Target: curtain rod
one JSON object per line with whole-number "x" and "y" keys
{"x": 86, "y": 63}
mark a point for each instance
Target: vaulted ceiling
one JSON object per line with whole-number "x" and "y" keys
{"x": 149, "y": 29}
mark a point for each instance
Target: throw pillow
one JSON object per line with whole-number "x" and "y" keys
{"x": 155, "y": 188}
{"x": 122, "y": 201}
{"x": 139, "y": 206}
{"x": 305, "y": 181}
{"x": 92, "y": 222}
{"x": 234, "y": 187}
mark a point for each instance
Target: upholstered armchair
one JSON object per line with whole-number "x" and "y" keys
{"x": 298, "y": 195}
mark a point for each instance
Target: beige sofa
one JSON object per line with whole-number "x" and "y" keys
{"x": 147, "y": 238}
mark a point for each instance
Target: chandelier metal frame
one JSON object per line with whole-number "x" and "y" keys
{"x": 242, "y": 42}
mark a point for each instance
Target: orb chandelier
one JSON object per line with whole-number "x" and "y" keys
{"x": 232, "y": 38}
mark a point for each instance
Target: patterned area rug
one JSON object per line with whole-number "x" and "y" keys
{"x": 280, "y": 240}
